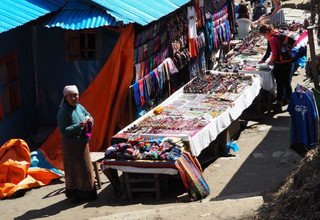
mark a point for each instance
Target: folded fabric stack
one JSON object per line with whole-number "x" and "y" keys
{"x": 144, "y": 149}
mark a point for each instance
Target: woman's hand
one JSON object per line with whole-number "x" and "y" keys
{"x": 88, "y": 119}
{"x": 259, "y": 21}
{"x": 270, "y": 63}
{"x": 83, "y": 123}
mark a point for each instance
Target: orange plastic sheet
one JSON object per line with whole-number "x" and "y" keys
{"x": 15, "y": 172}
{"x": 104, "y": 98}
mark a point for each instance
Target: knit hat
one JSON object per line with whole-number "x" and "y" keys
{"x": 70, "y": 89}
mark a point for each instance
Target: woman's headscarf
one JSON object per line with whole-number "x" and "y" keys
{"x": 70, "y": 89}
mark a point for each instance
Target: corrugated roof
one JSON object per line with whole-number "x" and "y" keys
{"x": 80, "y": 14}
{"x": 75, "y": 19}
{"x": 77, "y": 15}
{"x": 14, "y": 13}
{"x": 142, "y": 12}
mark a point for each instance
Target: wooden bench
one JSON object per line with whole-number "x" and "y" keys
{"x": 136, "y": 182}
{"x": 96, "y": 158}
{"x": 139, "y": 176}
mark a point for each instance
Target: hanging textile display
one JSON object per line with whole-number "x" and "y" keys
{"x": 211, "y": 6}
{"x": 151, "y": 49}
{"x": 181, "y": 38}
{"x": 304, "y": 119}
{"x": 196, "y": 36}
{"x": 153, "y": 85}
{"x": 231, "y": 15}
{"x": 177, "y": 26}
{"x": 220, "y": 26}
{"x": 202, "y": 46}
{"x": 218, "y": 29}
{"x": 160, "y": 51}
{"x": 144, "y": 67}
{"x": 199, "y": 6}
{"x": 192, "y": 32}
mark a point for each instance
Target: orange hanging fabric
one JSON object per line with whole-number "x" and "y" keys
{"x": 104, "y": 98}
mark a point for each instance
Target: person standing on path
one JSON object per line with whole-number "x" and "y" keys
{"x": 244, "y": 24}
{"x": 281, "y": 69}
{"x": 275, "y": 17}
{"x": 74, "y": 123}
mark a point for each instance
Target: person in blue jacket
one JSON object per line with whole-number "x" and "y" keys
{"x": 74, "y": 123}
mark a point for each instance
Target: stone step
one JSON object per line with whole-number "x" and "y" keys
{"x": 238, "y": 207}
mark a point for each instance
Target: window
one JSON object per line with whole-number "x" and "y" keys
{"x": 81, "y": 45}
{"x": 10, "y": 94}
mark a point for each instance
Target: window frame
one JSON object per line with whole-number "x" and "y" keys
{"x": 78, "y": 45}
{"x": 10, "y": 98}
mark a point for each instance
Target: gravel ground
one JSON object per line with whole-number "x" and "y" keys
{"x": 237, "y": 183}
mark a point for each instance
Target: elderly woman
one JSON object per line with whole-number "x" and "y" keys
{"x": 74, "y": 121}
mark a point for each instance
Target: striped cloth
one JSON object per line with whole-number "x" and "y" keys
{"x": 190, "y": 172}
{"x": 188, "y": 167}
{"x": 278, "y": 18}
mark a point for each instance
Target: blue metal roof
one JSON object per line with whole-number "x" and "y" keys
{"x": 75, "y": 19}
{"x": 81, "y": 14}
{"x": 14, "y": 13}
{"x": 142, "y": 12}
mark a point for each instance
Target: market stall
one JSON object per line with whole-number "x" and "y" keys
{"x": 245, "y": 57}
{"x": 192, "y": 117}
{"x": 188, "y": 121}
{"x": 169, "y": 54}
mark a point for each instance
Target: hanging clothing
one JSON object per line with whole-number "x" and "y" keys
{"x": 304, "y": 118}
{"x": 278, "y": 18}
{"x": 192, "y": 32}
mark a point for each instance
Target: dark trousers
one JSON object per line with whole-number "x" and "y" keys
{"x": 281, "y": 73}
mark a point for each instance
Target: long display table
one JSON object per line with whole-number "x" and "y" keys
{"x": 216, "y": 120}
{"x": 205, "y": 116}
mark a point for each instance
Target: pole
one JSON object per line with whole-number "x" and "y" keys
{"x": 313, "y": 58}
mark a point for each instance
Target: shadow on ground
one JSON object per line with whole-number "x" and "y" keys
{"x": 268, "y": 165}
{"x": 106, "y": 198}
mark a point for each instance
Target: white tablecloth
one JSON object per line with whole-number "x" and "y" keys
{"x": 132, "y": 169}
{"x": 210, "y": 132}
{"x": 267, "y": 80}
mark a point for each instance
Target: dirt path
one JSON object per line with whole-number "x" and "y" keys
{"x": 237, "y": 183}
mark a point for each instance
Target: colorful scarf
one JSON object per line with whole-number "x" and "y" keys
{"x": 190, "y": 172}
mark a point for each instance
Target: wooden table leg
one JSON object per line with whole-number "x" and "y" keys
{"x": 157, "y": 185}
{"x": 112, "y": 175}
{"x": 127, "y": 183}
